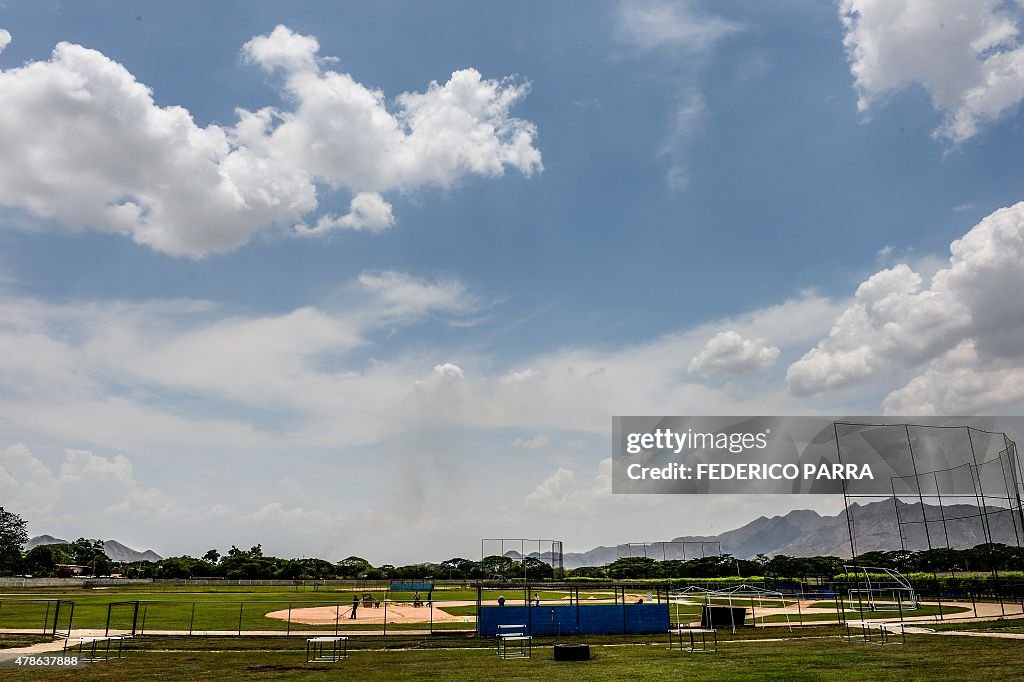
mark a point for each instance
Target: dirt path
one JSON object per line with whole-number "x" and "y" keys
{"x": 41, "y": 648}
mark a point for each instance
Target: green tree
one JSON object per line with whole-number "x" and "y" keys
{"x": 42, "y": 561}
{"x": 175, "y": 567}
{"x": 89, "y": 552}
{"x": 13, "y": 536}
{"x": 352, "y": 567}
{"x": 535, "y": 569}
{"x": 101, "y": 564}
{"x": 634, "y": 567}
{"x": 588, "y": 572}
{"x": 213, "y": 556}
{"x": 458, "y": 568}
{"x": 500, "y": 565}
{"x": 316, "y": 569}
{"x": 82, "y": 551}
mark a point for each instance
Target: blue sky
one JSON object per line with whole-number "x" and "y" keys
{"x": 391, "y": 324}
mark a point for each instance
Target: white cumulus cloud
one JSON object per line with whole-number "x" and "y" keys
{"x": 730, "y": 353}
{"x": 86, "y": 146}
{"x": 282, "y": 49}
{"x": 900, "y": 321}
{"x": 536, "y": 443}
{"x": 962, "y": 381}
{"x": 368, "y": 211}
{"x": 82, "y": 482}
{"x": 5, "y": 39}
{"x": 967, "y": 54}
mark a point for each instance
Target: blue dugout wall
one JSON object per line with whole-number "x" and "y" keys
{"x": 572, "y": 619}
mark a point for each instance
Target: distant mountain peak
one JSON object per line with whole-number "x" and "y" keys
{"x": 40, "y": 540}
{"x": 121, "y": 552}
{"x": 117, "y": 551}
{"x": 804, "y": 532}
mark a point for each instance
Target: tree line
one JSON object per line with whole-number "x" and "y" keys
{"x": 253, "y": 564}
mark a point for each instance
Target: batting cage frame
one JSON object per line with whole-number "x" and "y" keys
{"x": 30, "y": 616}
{"x": 964, "y": 493}
{"x": 670, "y": 550}
{"x": 546, "y": 551}
{"x": 976, "y": 490}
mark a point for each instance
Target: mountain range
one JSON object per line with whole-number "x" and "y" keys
{"x": 803, "y": 532}
{"x": 112, "y": 548}
{"x": 799, "y": 533}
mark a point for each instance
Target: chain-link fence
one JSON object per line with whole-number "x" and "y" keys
{"x": 366, "y": 614}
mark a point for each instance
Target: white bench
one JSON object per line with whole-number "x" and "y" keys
{"x": 885, "y": 630}
{"x": 92, "y": 649}
{"x": 317, "y": 650}
{"x": 517, "y": 636}
{"x": 692, "y": 632}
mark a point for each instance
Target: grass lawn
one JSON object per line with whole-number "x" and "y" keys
{"x": 204, "y": 610}
{"x": 924, "y": 610}
{"x": 226, "y": 610}
{"x": 1011, "y": 625}
{"x": 854, "y": 614}
{"x": 925, "y": 657}
{"x": 18, "y": 641}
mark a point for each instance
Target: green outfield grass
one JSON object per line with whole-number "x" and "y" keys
{"x": 17, "y": 641}
{"x": 924, "y": 657}
{"x": 231, "y": 610}
{"x": 924, "y": 610}
{"x": 855, "y": 614}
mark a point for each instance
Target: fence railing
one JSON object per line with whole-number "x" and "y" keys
{"x": 208, "y": 617}
{"x": 36, "y": 616}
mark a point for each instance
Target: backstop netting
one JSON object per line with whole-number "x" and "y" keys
{"x": 964, "y": 490}
{"x": 676, "y": 550}
{"x": 529, "y": 559}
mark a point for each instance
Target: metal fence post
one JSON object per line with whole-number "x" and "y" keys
{"x": 624, "y": 628}
{"x": 577, "y": 610}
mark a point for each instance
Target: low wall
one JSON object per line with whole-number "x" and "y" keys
{"x": 592, "y": 619}
{"x": 69, "y": 582}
